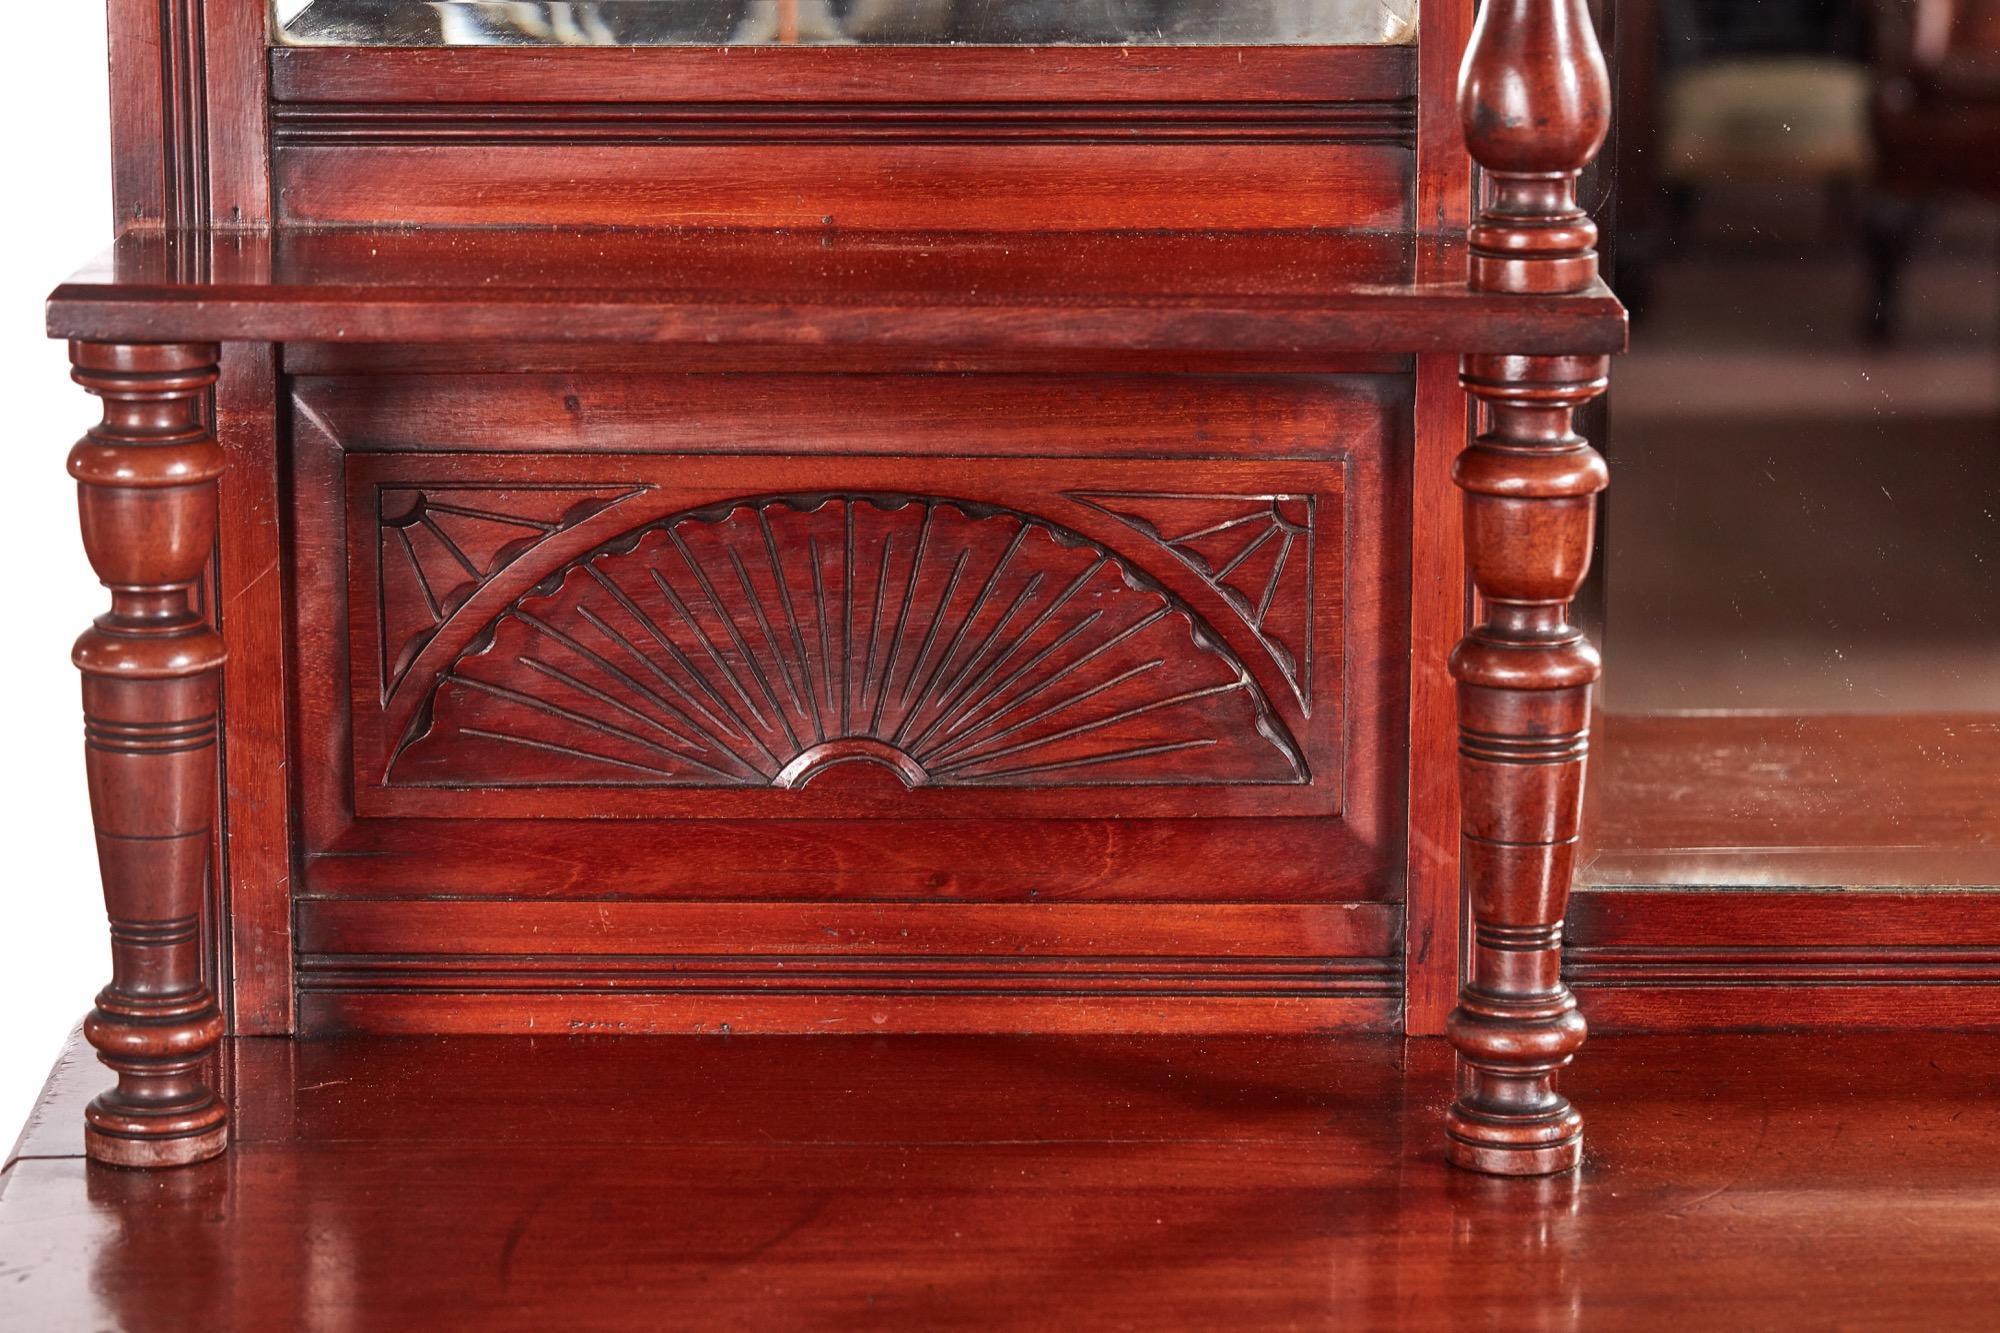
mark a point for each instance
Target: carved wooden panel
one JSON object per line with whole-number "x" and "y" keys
{"x": 762, "y": 643}
{"x": 651, "y": 701}
{"x": 654, "y": 634}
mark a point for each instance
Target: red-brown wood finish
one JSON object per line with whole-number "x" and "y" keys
{"x": 252, "y": 584}
{"x": 1032, "y": 1182}
{"x": 147, "y": 495}
{"x": 1734, "y": 960}
{"x": 190, "y": 149}
{"x": 1534, "y": 99}
{"x": 670, "y": 324}
{"x": 1314, "y": 78}
{"x": 1210, "y": 894}
{"x": 1264, "y": 300}
{"x": 1434, "y": 891}
{"x": 1861, "y": 800}
{"x": 932, "y": 138}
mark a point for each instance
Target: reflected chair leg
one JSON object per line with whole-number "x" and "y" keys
{"x": 146, "y": 493}
{"x": 1889, "y": 233}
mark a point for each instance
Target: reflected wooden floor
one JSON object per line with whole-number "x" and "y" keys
{"x": 1021, "y": 1182}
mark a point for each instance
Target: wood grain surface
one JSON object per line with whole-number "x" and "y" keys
{"x": 1801, "y": 1182}
{"x": 1058, "y": 287}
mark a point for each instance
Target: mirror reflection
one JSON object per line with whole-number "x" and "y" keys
{"x": 1802, "y": 643}
{"x": 840, "y": 22}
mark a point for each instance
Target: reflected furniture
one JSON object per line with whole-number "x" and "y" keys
{"x": 847, "y": 538}
{"x": 792, "y": 22}
{"x": 1936, "y": 121}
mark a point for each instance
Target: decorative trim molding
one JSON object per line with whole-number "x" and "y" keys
{"x": 1668, "y": 960}
{"x": 858, "y": 975}
{"x": 1686, "y": 966}
{"x": 356, "y": 124}
{"x": 184, "y": 111}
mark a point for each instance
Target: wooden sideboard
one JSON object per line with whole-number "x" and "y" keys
{"x": 786, "y": 539}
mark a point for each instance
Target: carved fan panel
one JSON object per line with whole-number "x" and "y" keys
{"x": 758, "y": 643}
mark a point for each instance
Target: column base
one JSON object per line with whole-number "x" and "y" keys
{"x": 1494, "y": 1159}
{"x": 182, "y": 1150}
{"x": 1498, "y": 1144}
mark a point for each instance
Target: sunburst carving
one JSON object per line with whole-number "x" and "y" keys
{"x": 439, "y": 544}
{"x": 1255, "y": 551}
{"x": 761, "y": 642}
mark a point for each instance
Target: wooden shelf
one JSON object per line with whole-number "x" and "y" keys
{"x": 1250, "y": 294}
{"x": 1019, "y": 1182}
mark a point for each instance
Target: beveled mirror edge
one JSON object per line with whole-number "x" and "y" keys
{"x": 551, "y": 24}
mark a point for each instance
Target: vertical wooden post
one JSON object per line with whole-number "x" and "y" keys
{"x": 146, "y": 492}
{"x": 1533, "y": 97}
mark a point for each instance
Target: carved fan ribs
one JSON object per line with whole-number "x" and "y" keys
{"x": 1255, "y": 551}
{"x": 762, "y": 642}
{"x": 441, "y": 544}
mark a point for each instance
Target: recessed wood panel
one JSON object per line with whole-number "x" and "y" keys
{"x": 589, "y": 649}
{"x": 1278, "y": 860}
{"x": 1249, "y": 138}
{"x": 946, "y": 187}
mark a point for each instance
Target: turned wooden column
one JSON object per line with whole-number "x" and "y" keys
{"x": 1533, "y": 98}
{"x": 146, "y": 492}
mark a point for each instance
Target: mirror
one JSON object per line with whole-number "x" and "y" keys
{"x": 1801, "y": 638}
{"x": 842, "y": 22}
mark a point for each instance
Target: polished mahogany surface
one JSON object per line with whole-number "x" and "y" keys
{"x": 1882, "y": 800}
{"x": 1739, "y": 1182}
{"x": 1534, "y": 100}
{"x": 842, "y": 717}
{"x": 151, "y": 669}
{"x": 483, "y": 765}
{"x": 1287, "y": 293}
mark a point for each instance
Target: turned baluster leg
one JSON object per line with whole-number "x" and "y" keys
{"x": 1524, "y": 679}
{"x": 1533, "y": 99}
{"x": 146, "y": 494}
